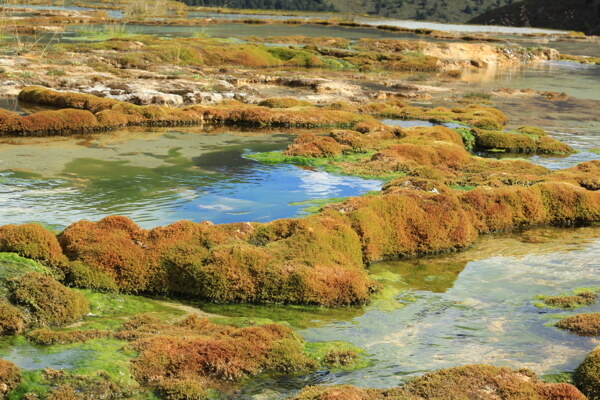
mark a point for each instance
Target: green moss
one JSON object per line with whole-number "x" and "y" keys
{"x": 32, "y": 382}
{"x": 329, "y": 164}
{"x": 560, "y": 377}
{"x": 110, "y": 310}
{"x": 297, "y": 316}
{"x": 468, "y": 138}
{"x": 97, "y": 368}
{"x": 337, "y": 355}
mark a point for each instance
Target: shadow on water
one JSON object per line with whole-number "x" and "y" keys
{"x": 159, "y": 177}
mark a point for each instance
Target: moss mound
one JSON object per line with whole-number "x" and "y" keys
{"x": 524, "y": 140}
{"x": 581, "y": 324}
{"x": 47, "y": 301}
{"x": 314, "y": 146}
{"x": 205, "y": 352}
{"x": 31, "y": 241}
{"x": 587, "y": 375}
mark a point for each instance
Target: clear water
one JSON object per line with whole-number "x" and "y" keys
{"x": 577, "y": 80}
{"x": 159, "y": 177}
{"x": 473, "y": 307}
{"x": 575, "y": 121}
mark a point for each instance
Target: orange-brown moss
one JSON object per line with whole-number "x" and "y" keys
{"x": 11, "y": 320}
{"x": 31, "y": 241}
{"x": 355, "y": 141}
{"x": 47, "y": 301}
{"x": 308, "y": 145}
{"x": 10, "y": 377}
{"x": 586, "y": 175}
{"x": 587, "y": 375}
{"x": 581, "y": 324}
{"x": 113, "y": 245}
{"x": 477, "y": 382}
{"x": 197, "y": 349}
{"x": 319, "y": 259}
{"x": 474, "y": 114}
{"x": 64, "y": 392}
{"x": 95, "y": 113}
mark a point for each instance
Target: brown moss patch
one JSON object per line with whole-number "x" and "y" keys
{"x": 114, "y": 245}
{"x": 11, "y": 320}
{"x": 308, "y": 145}
{"x": 31, "y": 241}
{"x": 197, "y": 349}
{"x": 566, "y": 302}
{"x": 581, "y": 324}
{"x": 477, "y": 382}
{"x": 47, "y": 301}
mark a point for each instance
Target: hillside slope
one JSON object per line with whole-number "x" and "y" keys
{"x": 434, "y": 10}
{"x": 306, "y": 5}
{"x": 575, "y": 15}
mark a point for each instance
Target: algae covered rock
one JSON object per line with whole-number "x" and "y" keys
{"x": 587, "y": 375}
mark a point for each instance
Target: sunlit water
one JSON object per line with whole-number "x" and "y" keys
{"x": 575, "y": 121}
{"x": 159, "y": 177}
{"x": 472, "y": 307}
